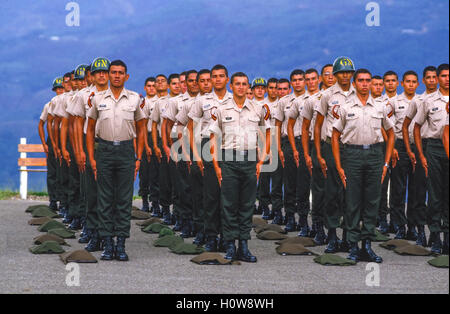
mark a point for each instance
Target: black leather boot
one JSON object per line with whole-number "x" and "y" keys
{"x": 108, "y": 252}
{"x": 177, "y": 226}
{"x": 354, "y": 252}
{"x": 258, "y": 210}
{"x": 53, "y": 206}
{"x": 290, "y": 226}
{"x": 199, "y": 238}
{"x": 231, "y": 250}
{"x": 167, "y": 217}
{"x": 211, "y": 244}
{"x": 121, "y": 255}
{"x": 156, "y": 210}
{"x": 266, "y": 214}
{"x": 243, "y": 253}
{"x": 62, "y": 212}
{"x": 436, "y": 243}
{"x": 86, "y": 236}
{"x": 186, "y": 231}
{"x": 145, "y": 204}
{"x": 67, "y": 218}
{"x": 75, "y": 224}
{"x": 344, "y": 245}
{"x": 320, "y": 238}
{"x": 277, "y": 218}
{"x": 367, "y": 254}
{"x": 421, "y": 236}
{"x": 401, "y": 233}
{"x": 221, "y": 245}
{"x": 445, "y": 245}
{"x": 333, "y": 244}
{"x": 94, "y": 244}
{"x": 313, "y": 232}
{"x": 412, "y": 234}
{"x": 303, "y": 227}
{"x": 384, "y": 226}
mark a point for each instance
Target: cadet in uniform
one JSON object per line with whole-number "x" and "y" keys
{"x": 359, "y": 121}
{"x": 249, "y": 94}
{"x": 115, "y": 164}
{"x": 48, "y": 149}
{"x": 202, "y": 113}
{"x": 331, "y": 100}
{"x": 328, "y": 78}
{"x": 435, "y": 162}
{"x": 149, "y": 172}
{"x": 238, "y": 122}
{"x": 376, "y": 87}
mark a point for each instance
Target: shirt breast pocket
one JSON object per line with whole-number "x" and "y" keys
{"x": 128, "y": 113}
{"x": 376, "y": 120}
{"x": 104, "y": 112}
{"x": 352, "y": 121}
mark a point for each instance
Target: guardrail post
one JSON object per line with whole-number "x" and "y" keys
{"x": 23, "y": 174}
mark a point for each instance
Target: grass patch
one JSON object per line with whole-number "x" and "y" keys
{"x": 8, "y": 194}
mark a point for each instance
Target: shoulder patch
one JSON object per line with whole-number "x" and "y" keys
{"x": 446, "y": 107}
{"x": 390, "y": 110}
{"x": 334, "y": 111}
{"x": 90, "y": 99}
{"x": 213, "y": 114}
{"x": 142, "y": 101}
{"x": 266, "y": 112}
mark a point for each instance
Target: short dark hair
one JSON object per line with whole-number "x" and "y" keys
{"x": 190, "y": 72}
{"x": 297, "y": 72}
{"x": 72, "y": 72}
{"x": 119, "y": 63}
{"x": 88, "y": 68}
{"x": 219, "y": 67}
{"x": 201, "y": 72}
{"x": 161, "y": 75}
{"x": 150, "y": 79}
{"x": 410, "y": 72}
{"x": 239, "y": 74}
{"x": 173, "y": 76}
{"x": 388, "y": 73}
{"x": 442, "y": 67}
{"x": 361, "y": 71}
{"x": 429, "y": 68}
{"x": 376, "y": 77}
{"x": 272, "y": 80}
{"x": 283, "y": 80}
{"x": 312, "y": 70}
{"x": 184, "y": 73}
{"x": 325, "y": 66}
{"x": 68, "y": 74}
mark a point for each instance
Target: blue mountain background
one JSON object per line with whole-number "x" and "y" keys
{"x": 261, "y": 38}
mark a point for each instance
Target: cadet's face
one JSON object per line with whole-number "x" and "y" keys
{"x": 430, "y": 80}
{"x": 82, "y": 84}
{"x": 150, "y": 89}
{"x": 312, "y": 81}
{"x": 272, "y": 90}
{"x": 67, "y": 84}
{"x": 219, "y": 79}
{"x": 259, "y": 92}
{"x": 101, "y": 78}
{"x": 283, "y": 89}
{"x": 391, "y": 83}
{"x": 191, "y": 83}
{"x": 59, "y": 90}
{"x": 89, "y": 78}
{"x": 328, "y": 78}
{"x": 443, "y": 79}
{"x": 240, "y": 86}
{"x": 204, "y": 83}
{"x": 74, "y": 82}
{"x": 344, "y": 78}
{"x": 298, "y": 83}
{"x": 250, "y": 94}
{"x": 377, "y": 88}
{"x": 410, "y": 84}
{"x": 117, "y": 76}
{"x": 161, "y": 84}
{"x": 362, "y": 84}
{"x": 175, "y": 86}
{"x": 183, "y": 86}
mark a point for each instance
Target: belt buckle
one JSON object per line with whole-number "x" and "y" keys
{"x": 116, "y": 143}
{"x": 366, "y": 147}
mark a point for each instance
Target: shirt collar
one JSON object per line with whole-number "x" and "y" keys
{"x": 123, "y": 93}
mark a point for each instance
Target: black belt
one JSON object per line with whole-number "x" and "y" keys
{"x": 115, "y": 143}
{"x": 363, "y": 147}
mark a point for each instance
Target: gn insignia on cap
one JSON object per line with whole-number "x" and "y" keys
{"x": 334, "y": 111}
{"x": 266, "y": 112}
{"x": 90, "y": 99}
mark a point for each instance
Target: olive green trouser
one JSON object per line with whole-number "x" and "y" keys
{"x": 52, "y": 177}
{"x": 363, "y": 170}
{"x": 74, "y": 195}
{"x": 334, "y": 190}
{"x": 384, "y": 208}
{"x": 165, "y": 182}
{"x": 290, "y": 178}
{"x": 62, "y": 171}
{"x": 317, "y": 189}
{"x": 238, "y": 196}
{"x": 90, "y": 186}
{"x": 303, "y": 181}
{"x": 149, "y": 175}
{"x": 198, "y": 211}
{"x": 184, "y": 190}
{"x": 115, "y": 178}
{"x": 420, "y": 213}
{"x": 438, "y": 178}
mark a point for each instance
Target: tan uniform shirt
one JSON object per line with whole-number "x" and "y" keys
{"x": 175, "y": 105}
{"x": 331, "y": 100}
{"x": 412, "y": 111}
{"x": 361, "y": 125}
{"x": 62, "y": 103}
{"x": 81, "y": 106}
{"x": 310, "y": 112}
{"x": 296, "y": 112}
{"x": 158, "y": 110}
{"x": 281, "y": 114}
{"x": 433, "y": 111}
{"x": 116, "y": 117}
{"x": 148, "y": 109}
{"x": 400, "y": 107}
{"x": 239, "y": 127}
{"x": 273, "y": 107}
{"x": 203, "y": 109}
{"x": 44, "y": 114}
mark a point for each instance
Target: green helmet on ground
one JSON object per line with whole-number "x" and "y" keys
{"x": 343, "y": 64}
{"x": 80, "y": 72}
{"x": 100, "y": 64}
{"x": 57, "y": 83}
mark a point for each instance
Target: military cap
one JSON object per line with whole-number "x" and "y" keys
{"x": 412, "y": 249}
{"x": 139, "y": 214}
{"x": 166, "y": 232}
{"x": 30, "y": 209}
{"x": 52, "y": 224}
{"x": 208, "y": 258}
{"x": 187, "y": 248}
{"x": 293, "y": 249}
{"x": 39, "y": 221}
{"x": 100, "y": 64}
{"x": 80, "y": 72}
{"x": 271, "y": 227}
{"x": 48, "y": 247}
{"x": 440, "y": 262}
{"x": 168, "y": 241}
{"x": 343, "y": 64}
{"x": 154, "y": 228}
{"x": 306, "y": 242}
{"x": 259, "y": 81}
{"x": 43, "y": 212}
{"x": 256, "y": 221}
{"x": 148, "y": 222}
{"x": 63, "y": 233}
{"x": 393, "y": 244}
{"x": 57, "y": 83}
{"x": 271, "y": 235}
{"x": 333, "y": 260}
{"x": 49, "y": 237}
{"x": 78, "y": 256}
